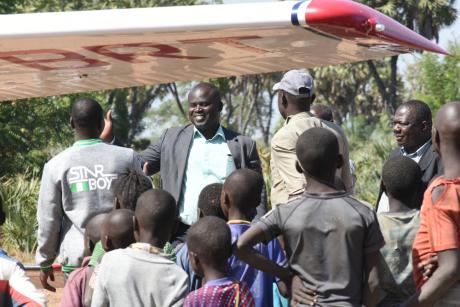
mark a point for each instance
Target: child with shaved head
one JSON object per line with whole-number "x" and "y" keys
{"x": 439, "y": 231}
{"x": 209, "y": 243}
{"x": 401, "y": 179}
{"x": 117, "y": 231}
{"x": 208, "y": 205}
{"x": 240, "y": 197}
{"x": 74, "y": 290}
{"x": 141, "y": 274}
{"x": 332, "y": 241}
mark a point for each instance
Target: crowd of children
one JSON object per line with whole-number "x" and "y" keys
{"x": 324, "y": 248}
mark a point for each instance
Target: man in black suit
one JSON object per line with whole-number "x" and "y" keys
{"x": 203, "y": 152}
{"x": 412, "y": 125}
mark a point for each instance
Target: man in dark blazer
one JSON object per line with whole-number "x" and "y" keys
{"x": 412, "y": 124}
{"x": 203, "y": 152}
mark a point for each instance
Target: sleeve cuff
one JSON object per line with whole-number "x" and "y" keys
{"x": 268, "y": 235}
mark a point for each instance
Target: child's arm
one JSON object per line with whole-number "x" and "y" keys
{"x": 371, "y": 285}
{"x": 445, "y": 276}
{"x": 245, "y": 252}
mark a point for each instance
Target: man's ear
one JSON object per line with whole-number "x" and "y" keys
{"x": 384, "y": 188}
{"x": 72, "y": 124}
{"x": 284, "y": 100}
{"x": 340, "y": 161}
{"x": 424, "y": 125}
{"x": 298, "y": 167}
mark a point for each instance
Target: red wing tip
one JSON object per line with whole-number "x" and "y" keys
{"x": 356, "y": 21}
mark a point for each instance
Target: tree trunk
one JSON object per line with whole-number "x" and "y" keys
{"x": 380, "y": 86}
{"x": 393, "y": 84}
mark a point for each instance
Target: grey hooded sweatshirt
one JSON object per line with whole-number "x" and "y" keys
{"x": 76, "y": 185}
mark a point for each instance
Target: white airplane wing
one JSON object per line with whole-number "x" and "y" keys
{"x": 44, "y": 54}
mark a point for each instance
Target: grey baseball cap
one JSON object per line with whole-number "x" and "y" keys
{"x": 294, "y": 80}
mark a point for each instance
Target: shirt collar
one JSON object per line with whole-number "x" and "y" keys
{"x": 301, "y": 114}
{"x": 219, "y": 133}
{"x": 419, "y": 152}
{"x": 87, "y": 142}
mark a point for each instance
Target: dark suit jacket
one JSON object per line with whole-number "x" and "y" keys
{"x": 169, "y": 156}
{"x": 431, "y": 167}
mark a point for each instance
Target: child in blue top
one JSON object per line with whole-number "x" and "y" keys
{"x": 240, "y": 197}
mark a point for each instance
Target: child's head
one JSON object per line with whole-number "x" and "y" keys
{"x": 401, "y": 177}
{"x": 87, "y": 117}
{"x": 209, "y": 244}
{"x": 446, "y": 135}
{"x": 154, "y": 217}
{"x": 318, "y": 157}
{"x": 241, "y": 192}
{"x": 209, "y": 201}
{"x": 93, "y": 232}
{"x": 118, "y": 230}
{"x": 128, "y": 187}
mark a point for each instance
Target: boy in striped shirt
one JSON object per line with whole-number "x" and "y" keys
{"x": 209, "y": 243}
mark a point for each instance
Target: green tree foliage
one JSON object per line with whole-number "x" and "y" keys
{"x": 19, "y": 196}
{"x": 426, "y": 17}
{"x": 436, "y": 79}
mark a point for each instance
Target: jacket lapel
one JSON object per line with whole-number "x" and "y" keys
{"x": 426, "y": 159}
{"x": 183, "y": 143}
{"x": 234, "y": 147}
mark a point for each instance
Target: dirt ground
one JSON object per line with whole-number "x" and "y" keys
{"x": 54, "y": 298}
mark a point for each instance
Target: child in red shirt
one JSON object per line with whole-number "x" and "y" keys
{"x": 439, "y": 231}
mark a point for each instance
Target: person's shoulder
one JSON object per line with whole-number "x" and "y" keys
{"x": 114, "y": 257}
{"x": 176, "y": 130}
{"x": 62, "y": 155}
{"x": 231, "y": 134}
{"x": 302, "y": 122}
{"x": 365, "y": 211}
{"x": 8, "y": 265}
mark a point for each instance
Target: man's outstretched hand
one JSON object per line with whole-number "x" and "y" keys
{"x": 107, "y": 135}
{"x": 44, "y": 276}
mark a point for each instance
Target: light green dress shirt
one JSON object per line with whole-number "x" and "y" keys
{"x": 209, "y": 161}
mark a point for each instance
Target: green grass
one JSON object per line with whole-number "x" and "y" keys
{"x": 19, "y": 194}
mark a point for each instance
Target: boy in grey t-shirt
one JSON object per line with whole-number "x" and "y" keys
{"x": 76, "y": 185}
{"x": 332, "y": 241}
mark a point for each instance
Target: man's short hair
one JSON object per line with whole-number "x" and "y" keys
{"x": 422, "y": 110}
{"x": 210, "y": 239}
{"x": 209, "y": 200}
{"x": 402, "y": 178}
{"x": 87, "y": 113}
{"x": 316, "y": 150}
{"x": 129, "y": 186}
